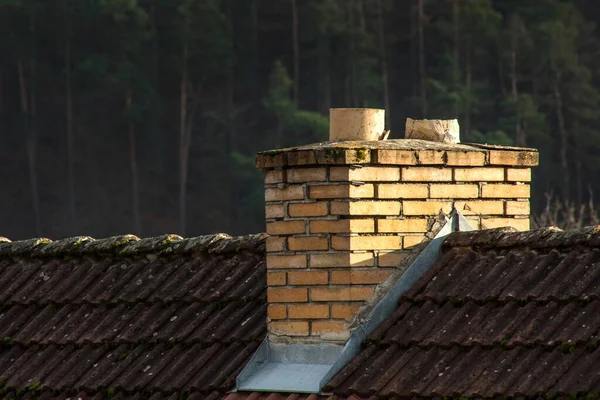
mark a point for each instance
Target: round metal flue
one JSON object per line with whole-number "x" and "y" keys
{"x": 356, "y": 124}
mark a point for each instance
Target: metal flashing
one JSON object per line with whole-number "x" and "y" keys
{"x": 306, "y": 368}
{"x": 293, "y": 367}
{"x": 388, "y": 304}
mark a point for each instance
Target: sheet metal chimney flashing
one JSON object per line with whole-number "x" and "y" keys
{"x": 306, "y": 368}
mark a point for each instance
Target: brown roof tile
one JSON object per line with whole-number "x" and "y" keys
{"x": 151, "y": 317}
{"x": 502, "y": 313}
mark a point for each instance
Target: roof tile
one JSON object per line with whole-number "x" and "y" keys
{"x": 146, "y": 316}
{"x": 502, "y": 313}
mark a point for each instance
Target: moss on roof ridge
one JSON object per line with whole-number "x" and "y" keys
{"x": 131, "y": 245}
{"x": 541, "y": 238}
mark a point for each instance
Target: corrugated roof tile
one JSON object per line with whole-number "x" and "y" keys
{"x": 501, "y": 313}
{"x": 131, "y": 317}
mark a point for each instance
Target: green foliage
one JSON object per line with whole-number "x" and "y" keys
{"x": 297, "y": 125}
{"x": 309, "y": 125}
{"x": 279, "y": 99}
{"x": 493, "y": 137}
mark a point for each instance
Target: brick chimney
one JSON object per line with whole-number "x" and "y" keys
{"x": 341, "y": 215}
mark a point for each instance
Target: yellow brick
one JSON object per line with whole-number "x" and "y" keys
{"x": 474, "y": 221}
{"x": 308, "y": 311}
{"x": 307, "y": 278}
{"x": 365, "y": 207}
{"x": 525, "y": 158}
{"x": 411, "y": 241}
{"x": 270, "y": 160}
{"x": 392, "y": 258}
{"x": 301, "y": 243}
{"x": 333, "y": 260}
{"x": 357, "y": 277}
{"x": 342, "y": 226}
{"x": 517, "y": 208}
{"x": 430, "y": 157}
{"x": 301, "y": 157}
{"x": 327, "y": 327}
{"x": 518, "y": 174}
{"x": 301, "y": 175}
{"x": 453, "y": 191}
{"x": 276, "y": 279}
{"x": 521, "y": 224}
{"x": 364, "y": 174}
{"x": 344, "y": 310}
{"x": 473, "y": 158}
{"x": 366, "y": 242}
{"x": 289, "y": 328}
{"x": 401, "y": 191}
{"x": 274, "y": 176}
{"x": 288, "y": 193}
{"x": 275, "y": 243}
{"x": 402, "y": 225}
{"x": 426, "y": 174}
{"x": 286, "y": 227}
{"x": 285, "y": 262}
{"x": 287, "y": 295}
{"x": 274, "y": 211}
{"x": 343, "y": 156}
{"x": 480, "y": 207}
{"x": 277, "y": 311}
{"x": 505, "y": 191}
{"x": 318, "y": 209}
{"x": 396, "y": 157}
{"x": 347, "y": 293}
{"x": 340, "y": 191}
{"x": 478, "y": 174}
{"x": 426, "y": 207}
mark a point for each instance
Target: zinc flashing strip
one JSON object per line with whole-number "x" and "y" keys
{"x": 306, "y": 368}
{"x": 388, "y": 304}
{"x": 288, "y": 368}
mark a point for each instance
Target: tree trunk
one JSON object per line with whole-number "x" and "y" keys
{"x": 230, "y": 139}
{"x": 2, "y": 111}
{"x": 255, "y": 61}
{"x": 137, "y": 222}
{"x": 414, "y": 54}
{"x": 324, "y": 89}
{"x": 160, "y": 141}
{"x": 515, "y": 96}
{"x": 350, "y": 72}
{"x": 578, "y": 165}
{"x": 28, "y": 108}
{"x": 183, "y": 141}
{"x": 384, "y": 64}
{"x": 422, "y": 68}
{"x": 456, "y": 52}
{"x": 361, "y": 17}
{"x": 296, "y": 47}
{"x": 469, "y": 86}
{"x": 519, "y": 131}
{"x": 564, "y": 162}
{"x": 69, "y": 125}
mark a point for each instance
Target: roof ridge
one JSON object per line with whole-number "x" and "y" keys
{"x": 128, "y": 245}
{"x": 546, "y": 237}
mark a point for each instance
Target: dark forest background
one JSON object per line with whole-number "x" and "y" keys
{"x": 144, "y": 116}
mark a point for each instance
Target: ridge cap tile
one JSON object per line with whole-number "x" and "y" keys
{"x": 131, "y": 245}
{"x": 541, "y": 238}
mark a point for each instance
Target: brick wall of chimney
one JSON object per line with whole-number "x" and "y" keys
{"x": 341, "y": 220}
